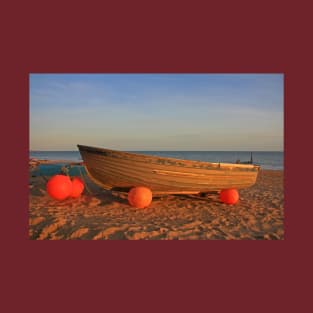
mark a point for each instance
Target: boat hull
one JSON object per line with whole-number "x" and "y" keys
{"x": 117, "y": 170}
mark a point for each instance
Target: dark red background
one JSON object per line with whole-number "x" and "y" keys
{"x": 145, "y": 36}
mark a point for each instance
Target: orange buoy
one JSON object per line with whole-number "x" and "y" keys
{"x": 78, "y": 187}
{"x": 140, "y": 197}
{"x": 229, "y": 196}
{"x": 59, "y": 187}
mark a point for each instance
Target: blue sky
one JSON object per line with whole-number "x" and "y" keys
{"x": 218, "y": 112}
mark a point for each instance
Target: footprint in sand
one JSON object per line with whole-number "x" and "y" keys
{"x": 109, "y": 231}
{"x": 50, "y": 229}
{"x": 36, "y": 220}
{"x": 78, "y": 233}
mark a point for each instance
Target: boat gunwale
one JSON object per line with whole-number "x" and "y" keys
{"x": 217, "y": 165}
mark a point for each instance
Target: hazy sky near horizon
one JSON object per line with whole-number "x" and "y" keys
{"x": 221, "y": 112}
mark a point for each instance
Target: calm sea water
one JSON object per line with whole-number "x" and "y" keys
{"x": 268, "y": 160}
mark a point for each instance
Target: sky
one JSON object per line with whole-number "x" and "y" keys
{"x": 174, "y": 112}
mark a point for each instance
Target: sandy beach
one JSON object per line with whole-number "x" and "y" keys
{"x": 100, "y": 214}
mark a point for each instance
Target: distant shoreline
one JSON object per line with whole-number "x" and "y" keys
{"x": 33, "y": 162}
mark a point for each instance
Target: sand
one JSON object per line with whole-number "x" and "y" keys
{"x": 100, "y": 214}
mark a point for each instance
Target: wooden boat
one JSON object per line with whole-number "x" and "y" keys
{"x": 117, "y": 170}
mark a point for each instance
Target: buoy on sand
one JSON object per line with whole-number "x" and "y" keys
{"x": 78, "y": 187}
{"x": 140, "y": 197}
{"x": 229, "y": 196}
{"x": 59, "y": 187}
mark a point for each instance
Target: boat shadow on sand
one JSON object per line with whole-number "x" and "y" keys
{"x": 37, "y": 188}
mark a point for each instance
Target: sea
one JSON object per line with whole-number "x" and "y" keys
{"x": 273, "y": 160}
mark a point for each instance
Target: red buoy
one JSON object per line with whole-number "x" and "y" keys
{"x": 78, "y": 187}
{"x": 229, "y": 196}
{"x": 59, "y": 187}
{"x": 140, "y": 197}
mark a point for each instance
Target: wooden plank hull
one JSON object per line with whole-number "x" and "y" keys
{"x": 117, "y": 170}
